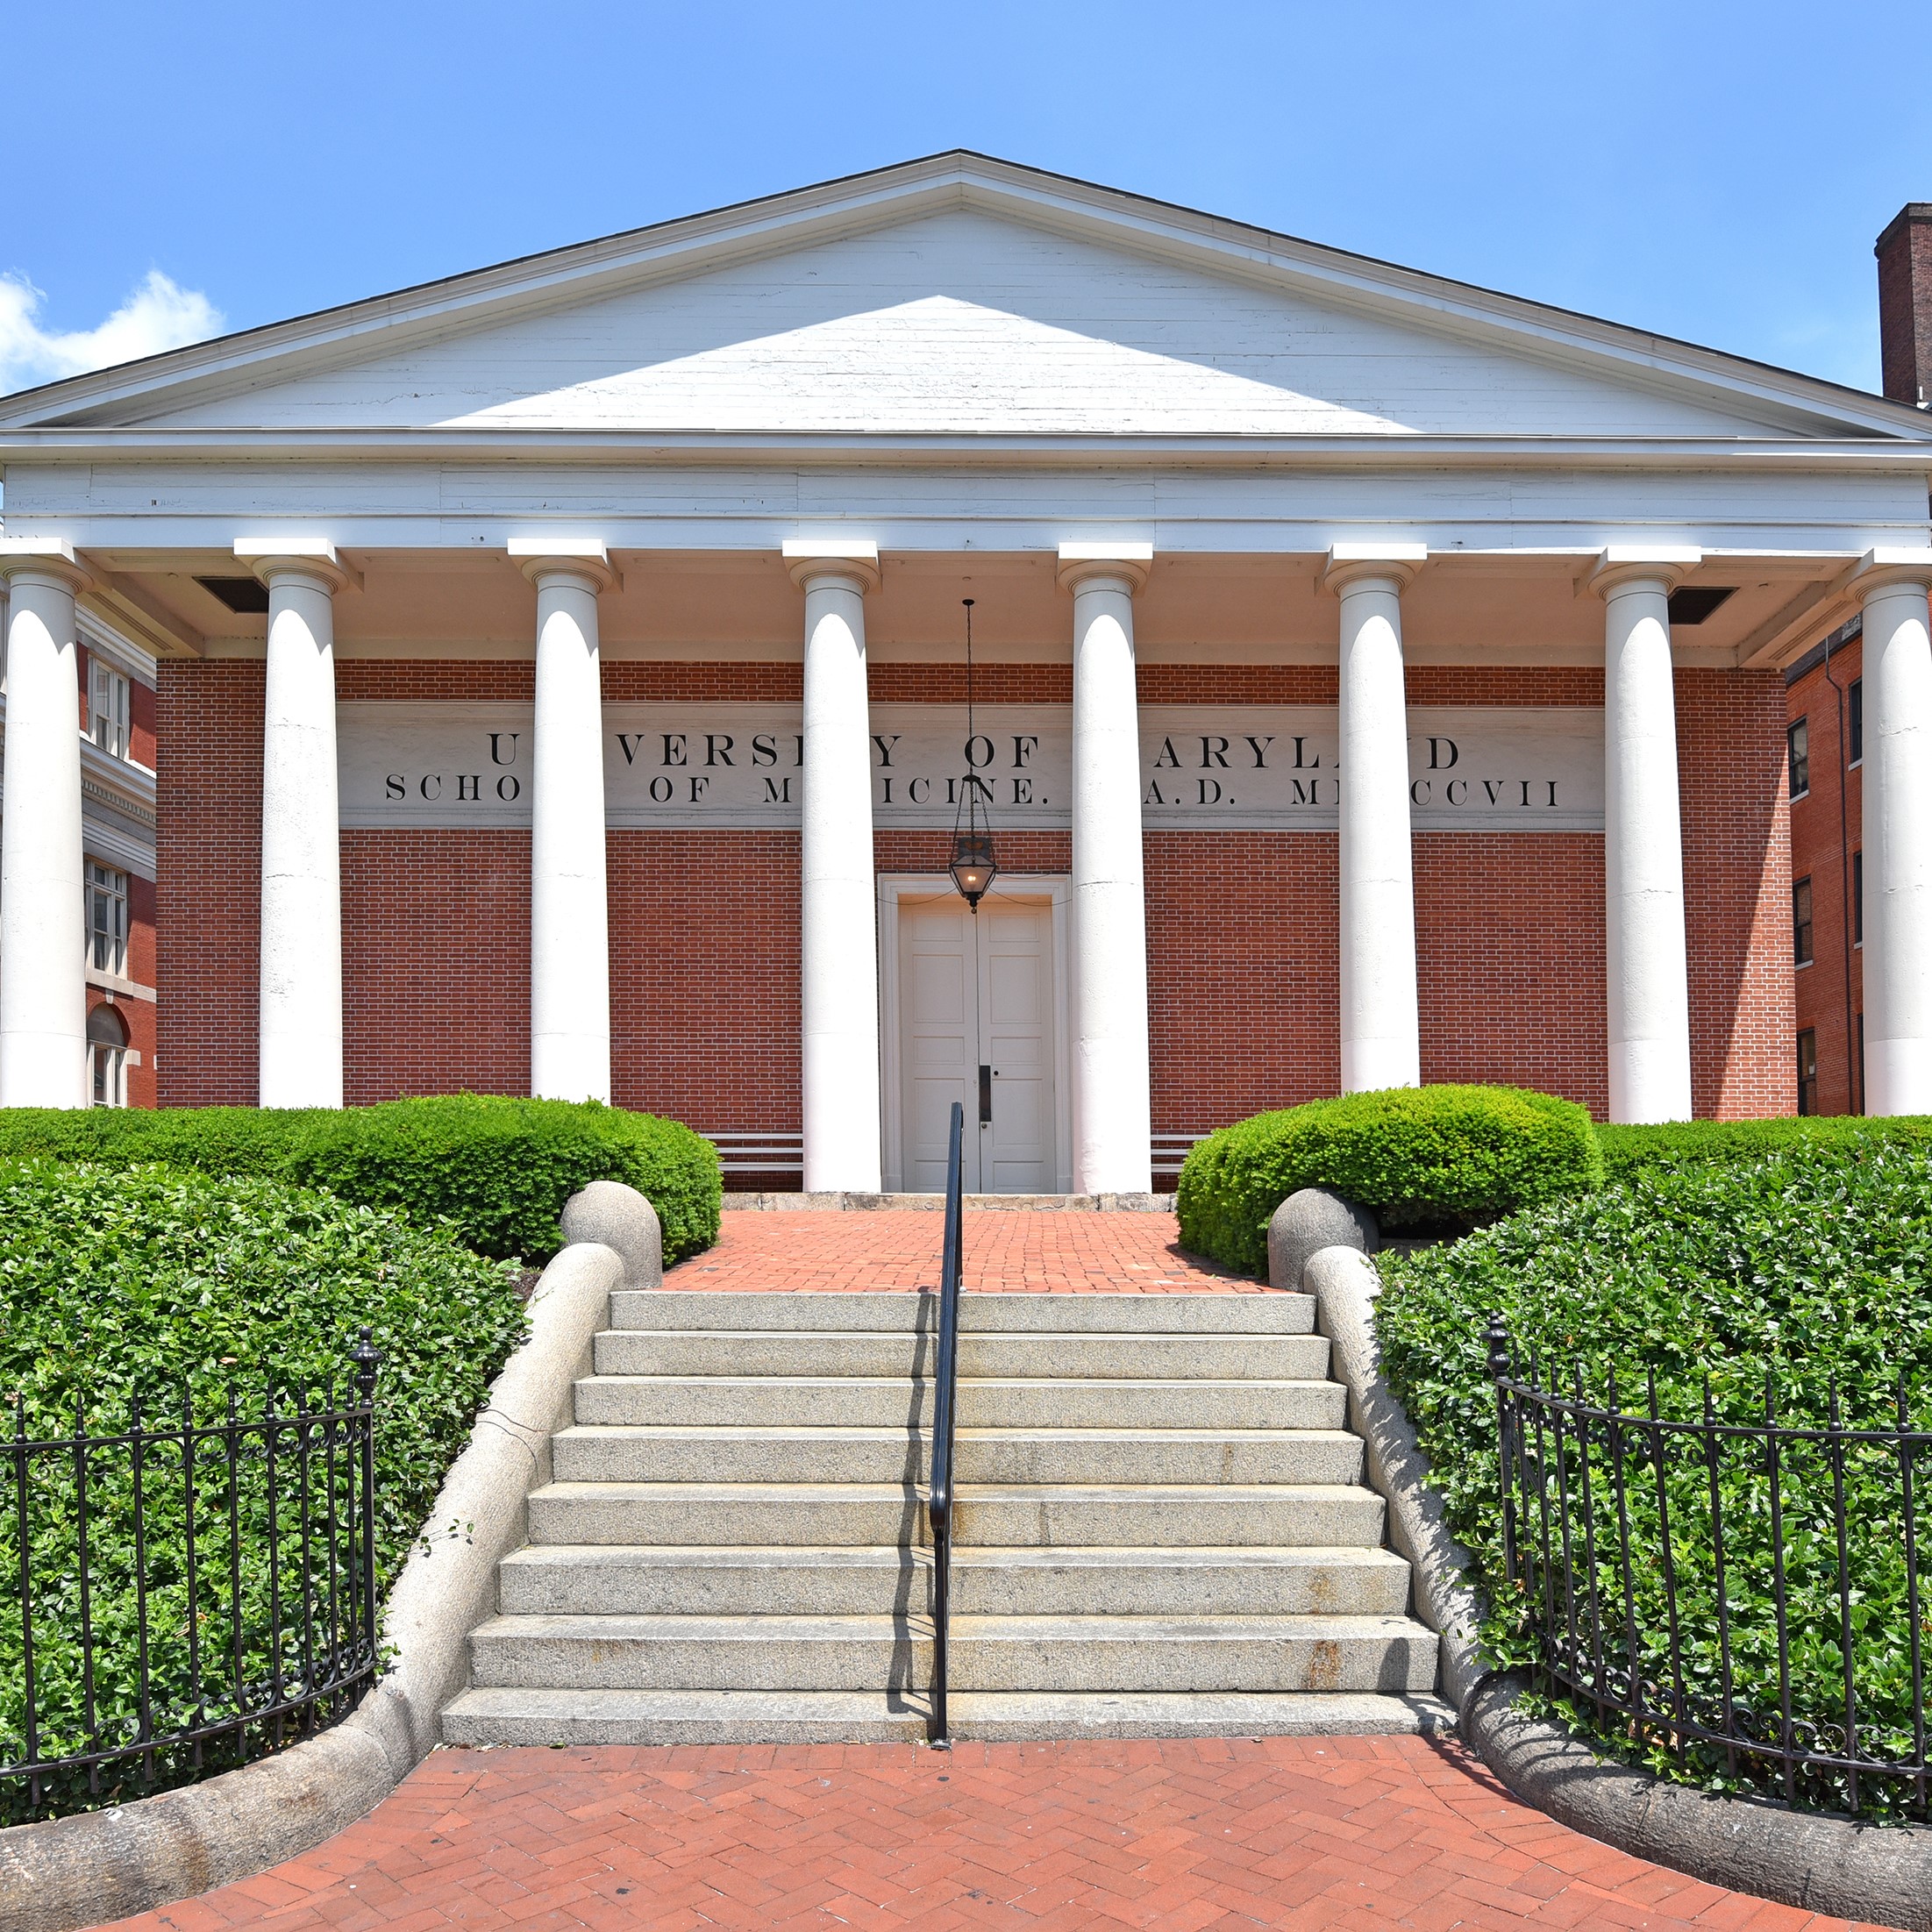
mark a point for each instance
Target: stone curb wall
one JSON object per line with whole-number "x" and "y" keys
{"x": 1816, "y": 1863}
{"x": 67, "y": 1873}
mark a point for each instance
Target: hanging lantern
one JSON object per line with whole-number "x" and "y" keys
{"x": 974, "y": 867}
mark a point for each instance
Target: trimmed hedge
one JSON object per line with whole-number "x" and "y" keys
{"x": 501, "y": 1170}
{"x": 1420, "y": 1156}
{"x": 1677, "y": 1146}
{"x": 1814, "y": 1265}
{"x": 118, "y": 1284}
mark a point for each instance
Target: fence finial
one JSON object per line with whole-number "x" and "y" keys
{"x": 366, "y": 1359}
{"x": 1498, "y": 1336}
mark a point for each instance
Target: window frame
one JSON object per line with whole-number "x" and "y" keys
{"x": 110, "y": 709}
{"x": 104, "y": 885}
{"x": 1798, "y": 758}
{"x": 1855, "y": 722}
{"x": 1807, "y": 1071}
{"x": 1804, "y": 949}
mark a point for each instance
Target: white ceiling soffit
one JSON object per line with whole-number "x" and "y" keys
{"x": 1786, "y": 403}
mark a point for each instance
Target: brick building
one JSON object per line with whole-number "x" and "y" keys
{"x": 1824, "y": 689}
{"x": 563, "y": 682}
{"x": 107, "y": 984}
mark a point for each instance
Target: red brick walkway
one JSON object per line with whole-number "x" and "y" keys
{"x": 1013, "y": 1250}
{"x": 1222, "y": 1835}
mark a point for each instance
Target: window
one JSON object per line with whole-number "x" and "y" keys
{"x": 1858, "y": 898}
{"x": 1798, "y": 741}
{"x": 1807, "y": 1071}
{"x": 107, "y": 708}
{"x": 1855, "y": 711}
{"x": 107, "y": 1057}
{"x": 1800, "y": 923}
{"x": 106, "y": 919}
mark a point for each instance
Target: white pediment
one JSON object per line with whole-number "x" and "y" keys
{"x": 963, "y": 322}
{"x": 958, "y": 296}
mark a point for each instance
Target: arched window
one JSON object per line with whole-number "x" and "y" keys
{"x": 107, "y": 1056}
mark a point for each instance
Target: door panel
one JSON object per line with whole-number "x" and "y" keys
{"x": 969, "y": 997}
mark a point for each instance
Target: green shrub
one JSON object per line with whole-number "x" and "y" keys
{"x": 1678, "y": 1145}
{"x": 1436, "y": 1157}
{"x": 501, "y": 1170}
{"x": 1815, "y": 1268}
{"x": 138, "y": 1282}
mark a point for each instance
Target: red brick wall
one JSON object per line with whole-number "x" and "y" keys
{"x": 1242, "y": 926}
{"x": 1730, "y": 734}
{"x": 208, "y": 901}
{"x": 1825, "y": 832}
{"x": 435, "y": 962}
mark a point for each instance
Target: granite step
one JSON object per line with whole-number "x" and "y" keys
{"x": 1174, "y": 1516}
{"x": 1085, "y": 1356}
{"x": 1391, "y": 1655}
{"x": 561, "y": 1717}
{"x": 889, "y": 1401}
{"x": 752, "y": 1580}
{"x": 603, "y": 1453}
{"x": 737, "y": 1310}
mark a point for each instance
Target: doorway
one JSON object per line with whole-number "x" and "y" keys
{"x": 972, "y": 1012}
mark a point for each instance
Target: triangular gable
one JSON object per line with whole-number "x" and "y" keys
{"x": 961, "y": 298}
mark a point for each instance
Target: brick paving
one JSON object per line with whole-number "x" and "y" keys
{"x": 1011, "y": 1251}
{"x": 1304, "y": 1834}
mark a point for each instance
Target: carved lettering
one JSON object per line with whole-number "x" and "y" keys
{"x": 469, "y": 787}
{"x": 1024, "y": 745}
{"x": 673, "y": 748}
{"x": 495, "y": 747}
{"x": 393, "y": 787}
{"x": 629, "y": 741}
{"x": 764, "y": 749}
{"x": 717, "y": 748}
{"x": 773, "y": 795}
{"x": 508, "y": 789}
{"x": 1166, "y": 755}
{"x": 1259, "y": 747}
{"x": 1214, "y": 752}
{"x": 1437, "y": 762}
{"x": 658, "y": 796}
{"x": 885, "y": 746}
{"x": 1302, "y": 762}
{"x": 435, "y": 778}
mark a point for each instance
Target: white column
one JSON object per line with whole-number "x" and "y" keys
{"x": 1647, "y": 974}
{"x": 569, "y": 914}
{"x": 1896, "y": 830}
{"x": 301, "y": 828}
{"x": 1112, "y": 1107}
{"x": 1381, "y": 1026}
{"x": 838, "y": 948}
{"x": 43, "y": 995}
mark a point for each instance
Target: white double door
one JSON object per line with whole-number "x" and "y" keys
{"x": 976, "y": 1021}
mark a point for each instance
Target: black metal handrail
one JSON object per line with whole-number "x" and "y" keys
{"x": 1744, "y": 1592}
{"x": 945, "y": 1375}
{"x": 192, "y": 1589}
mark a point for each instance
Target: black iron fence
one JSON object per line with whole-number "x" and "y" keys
{"x": 193, "y": 1586}
{"x": 1739, "y": 1592}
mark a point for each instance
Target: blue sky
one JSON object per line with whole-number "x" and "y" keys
{"x": 1717, "y": 172}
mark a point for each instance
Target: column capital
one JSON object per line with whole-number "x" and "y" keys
{"x": 39, "y": 557}
{"x": 1080, "y": 562}
{"x": 1392, "y": 563}
{"x": 584, "y": 557}
{"x": 1622, "y": 565}
{"x": 806, "y": 558}
{"x": 1890, "y": 569}
{"x": 286, "y": 556}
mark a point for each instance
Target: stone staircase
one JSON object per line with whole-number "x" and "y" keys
{"x": 1163, "y": 1529}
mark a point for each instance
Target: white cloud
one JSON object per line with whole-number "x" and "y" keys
{"x": 159, "y": 315}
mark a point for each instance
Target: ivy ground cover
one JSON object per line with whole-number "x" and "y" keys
{"x": 1810, "y": 1268}
{"x": 161, "y": 1285}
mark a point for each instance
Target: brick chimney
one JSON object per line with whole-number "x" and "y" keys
{"x": 1905, "y": 305}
